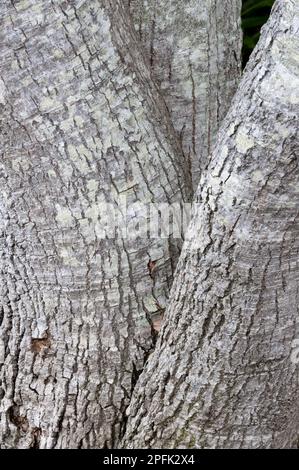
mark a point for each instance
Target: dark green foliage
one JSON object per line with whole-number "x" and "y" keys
{"x": 254, "y": 14}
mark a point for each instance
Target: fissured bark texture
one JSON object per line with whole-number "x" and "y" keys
{"x": 222, "y": 374}
{"x": 194, "y": 50}
{"x": 84, "y": 133}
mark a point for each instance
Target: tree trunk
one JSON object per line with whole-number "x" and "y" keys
{"x": 194, "y": 48}
{"x": 222, "y": 374}
{"x": 82, "y": 126}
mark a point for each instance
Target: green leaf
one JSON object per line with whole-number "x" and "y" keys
{"x": 250, "y": 6}
{"x": 254, "y": 22}
{"x": 254, "y": 14}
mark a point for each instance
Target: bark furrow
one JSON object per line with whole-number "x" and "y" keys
{"x": 194, "y": 50}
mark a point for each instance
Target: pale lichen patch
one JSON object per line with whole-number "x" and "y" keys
{"x": 283, "y": 131}
{"x": 64, "y": 217}
{"x": 52, "y": 174}
{"x": 285, "y": 51}
{"x": 243, "y": 141}
{"x": 281, "y": 86}
{"x": 48, "y": 104}
{"x": 79, "y": 156}
{"x": 20, "y": 163}
{"x": 79, "y": 121}
{"x": 58, "y": 53}
{"x": 2, "y": 92}
{"x": 66, "y": 125}
{"x": 68, "y": 257}
{"x": 92, "y": 187}
{"x": 2, "y": 351}
{"x": 257, "y": 176}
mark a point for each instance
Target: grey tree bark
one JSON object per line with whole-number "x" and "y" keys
{"x": 221, "y": 375}
{"x": 194, "y": 49}
{"x": 82, "y": 126}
